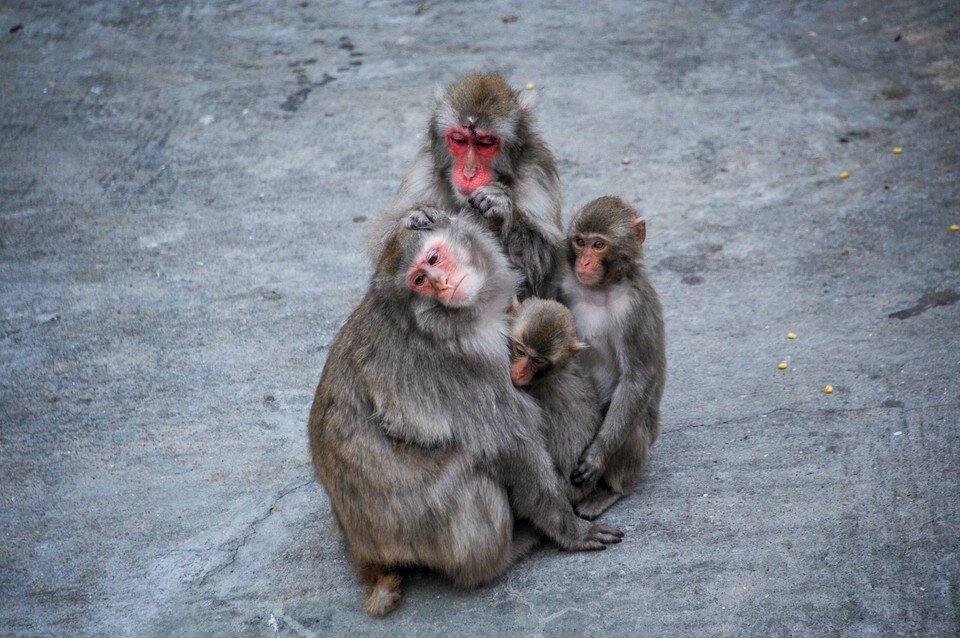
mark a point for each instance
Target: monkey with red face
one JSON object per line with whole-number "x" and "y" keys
{"x": 482, "y": 156}
{"x": 424, "y": 447}
{"x": 618, "y": 314}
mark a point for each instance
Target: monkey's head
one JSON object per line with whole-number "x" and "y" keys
{"x": 543, "y": 341}
{"x": 476, "y": 124}
{"x": 455, "y": 265}
{"x": 605, "y": 240}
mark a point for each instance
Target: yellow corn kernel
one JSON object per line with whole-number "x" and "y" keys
{"x": 530, "y": 86}
{"x": 782, "y": 365}
{"x": 897, "y": 150}
{"x": 844, "y": 175}
{"x": 790, "y": 335}
{"x": 954, "y": 228}
{"x": 625, "y": 161}
{"x": 827, "y": 389}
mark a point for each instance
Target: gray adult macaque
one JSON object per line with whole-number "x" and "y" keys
{"x": 428, "y": 453}
{"x": 544, "y": 346}
{"x": 481, "y": 155}
{"x": 619, "y": 315}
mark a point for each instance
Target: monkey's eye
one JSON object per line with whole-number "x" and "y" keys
{"x": 458, "y": 138}
{"x": 598, "y": 245}
{"x": 579, "y": 242}
{"x": 419, "y": 279}
{"x": 433, "y": 258}
{"x": 519, "y": 350}
{"x": 539, "y": 361}
{"x": 487, "y": 142}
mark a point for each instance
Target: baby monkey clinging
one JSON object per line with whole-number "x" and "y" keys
{"x": 544, "y": 342}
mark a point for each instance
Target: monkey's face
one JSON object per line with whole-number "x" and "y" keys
{"x": 472, "y": 150}
{"x": 544, "y": 340}
{"x": 443, "y": 270}
{"x": 590, "y": 253}
{"x": 525, "y": 363}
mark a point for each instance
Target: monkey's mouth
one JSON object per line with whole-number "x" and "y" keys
{"x": 453, "y": 293}
{"x": 587, "y": 278}
{"x": 452, "y": 296}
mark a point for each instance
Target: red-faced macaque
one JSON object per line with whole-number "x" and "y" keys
{"x": 544, "y": 345}
{"x": 428, "y": 454}
{"x": 481, "y": 156}
{"x": 618, "y": 314}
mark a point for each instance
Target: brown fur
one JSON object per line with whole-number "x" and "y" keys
{"x": 419, "y": 438}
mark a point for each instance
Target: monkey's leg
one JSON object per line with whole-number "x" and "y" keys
{"x": 525, "y": 538}
{"x": 383, "y": 589}
{"x": 624, "y": 470}
{"x": 598, "y": 502}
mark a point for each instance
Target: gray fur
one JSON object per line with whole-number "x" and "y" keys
{"x": 422, "y": 443}
{"x": 621, "y": 319}
{"x": 521, "y": 204}
{"x": 565, "y": 392}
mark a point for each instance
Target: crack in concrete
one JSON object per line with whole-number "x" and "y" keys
{"x": 237, "y": 544}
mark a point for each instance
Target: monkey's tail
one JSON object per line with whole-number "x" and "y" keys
{"x": 384, "y": 589}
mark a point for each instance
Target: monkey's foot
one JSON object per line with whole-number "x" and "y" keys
{"x": 598, "y": 502}
{"x": 593, "y": 537}
{"x": 384, "y": 594}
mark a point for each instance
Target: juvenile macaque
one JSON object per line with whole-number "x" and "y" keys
{"x": 481, "y": 156}
{"x": 422, "y": 443}
{"x": 543, "y": 345}
{"x": 618, "y": 314}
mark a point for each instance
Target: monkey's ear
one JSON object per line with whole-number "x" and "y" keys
{"x": 526, "y": 99}
{"x": 640, "y": 229}
{"x": 514, "y": 306}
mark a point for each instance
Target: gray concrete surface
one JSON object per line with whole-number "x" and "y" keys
{"x": 183, "y": 191}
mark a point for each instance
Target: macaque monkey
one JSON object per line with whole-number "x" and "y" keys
{"x": 481, "y": 156}
{"x": 424, "y": 447}
{"x": 618, "y": 314}
{"x": 543, "y": 346}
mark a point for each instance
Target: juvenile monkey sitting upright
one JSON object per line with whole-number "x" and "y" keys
{"x": 542, "y": 350}
{"x": 618, "y": 314}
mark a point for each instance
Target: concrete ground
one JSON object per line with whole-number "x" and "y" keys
{"x": 184, "y": 189}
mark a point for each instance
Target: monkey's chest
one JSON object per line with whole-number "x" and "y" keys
{"x": 595, "y": 326}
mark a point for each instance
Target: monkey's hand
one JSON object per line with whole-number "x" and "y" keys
{"x": 426, "y": 217}
{"x": 589, "y": 469}
{"x": 596, "y": 537}
{"x": 493, "y": 202}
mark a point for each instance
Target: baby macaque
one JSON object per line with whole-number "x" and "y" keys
{"x": 543, "y": 345}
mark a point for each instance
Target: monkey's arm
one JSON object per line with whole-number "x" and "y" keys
{"x": 531, "y": 244}
{"x": 537, "y": 493}
{"x": 418, "y": 188}
{"x": 630, "y": 400}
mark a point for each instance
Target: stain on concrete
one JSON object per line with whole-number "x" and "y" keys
{"x": 945, "y": 297}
